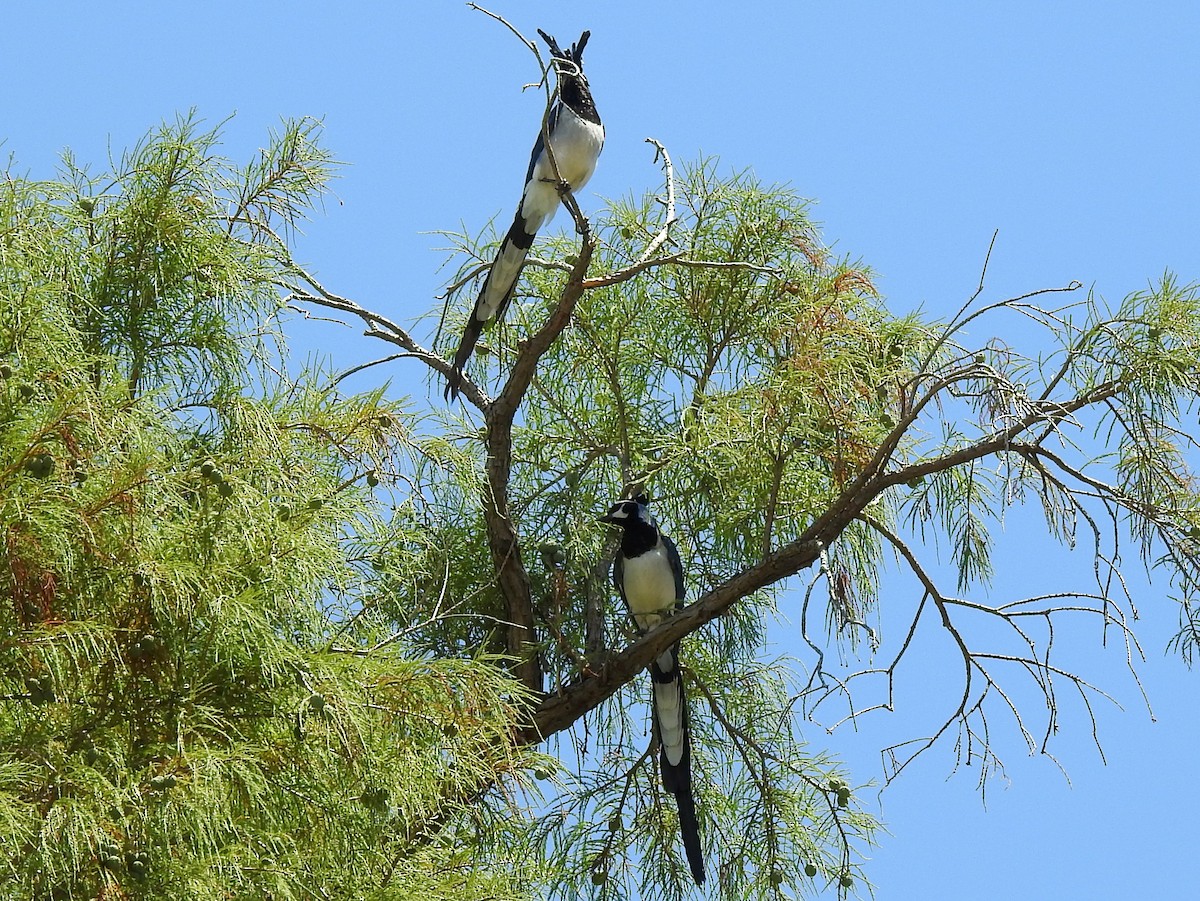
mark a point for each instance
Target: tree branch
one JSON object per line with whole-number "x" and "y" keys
{"x": 378, "y": 326}
{"x": 559, "y": 712}
{"x": 511, "y": 574}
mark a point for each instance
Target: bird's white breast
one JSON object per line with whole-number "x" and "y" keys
{"x": 649, "y": 587}
{"x": 576, "y": 144}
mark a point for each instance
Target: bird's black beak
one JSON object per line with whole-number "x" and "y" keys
{"x": 607, "y": 518}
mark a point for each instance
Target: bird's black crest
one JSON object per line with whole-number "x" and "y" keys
{"x": 577, "y": 47}
{"x": 574, "y": 55}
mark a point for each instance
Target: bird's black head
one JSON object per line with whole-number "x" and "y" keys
{"x": 568, "y": 66}
{"x": 567, "y": 61}
{"x": 627, "y": 512}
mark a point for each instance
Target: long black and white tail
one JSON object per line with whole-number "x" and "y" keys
{"x": 675, "y": 742}
{"x": 494, "y": 298}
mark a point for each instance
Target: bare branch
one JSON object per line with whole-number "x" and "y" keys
{"x": 670, "y": 218}
{"x": 503, "y": 21}
{"x": 677, "y": 259}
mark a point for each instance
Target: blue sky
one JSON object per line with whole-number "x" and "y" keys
{"x": 919, "y": 128}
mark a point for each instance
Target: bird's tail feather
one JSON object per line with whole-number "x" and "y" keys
{"x": 689, "y": 831}
{"x": 670, "y": 713}
{"x": 494, "y": 298}
{"x": 506, "y": 269}
{"x": 465, "y": 347}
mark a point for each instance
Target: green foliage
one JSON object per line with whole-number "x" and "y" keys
{"x": 257, "y": 633}
{"x": 178, "y": 716}
{"x": 756, "y": 386}
{"x": 744, "y": 386}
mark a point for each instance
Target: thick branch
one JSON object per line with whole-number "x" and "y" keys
{"x": 561, "y": 711}
{"x": 511, "y": 574}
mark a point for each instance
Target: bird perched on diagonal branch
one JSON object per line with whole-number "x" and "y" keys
{"x": 576, "y": 137}
{"x": 649, "y": 577}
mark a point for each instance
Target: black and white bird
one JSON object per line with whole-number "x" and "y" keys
{"x": 576, "y": 139}
{"x": 648, "y": 575}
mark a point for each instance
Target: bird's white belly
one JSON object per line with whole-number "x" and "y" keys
{"x": 649, "y": 587}
{"x": 576, "y": 145}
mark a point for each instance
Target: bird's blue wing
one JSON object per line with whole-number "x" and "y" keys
{"x": 618, "y": 576}
{"x": 540, "y": 144}
{"x": 676, "y": 569}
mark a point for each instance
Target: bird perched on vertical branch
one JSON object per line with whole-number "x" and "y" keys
{"x": 576, "y": 137}
{"x": 649, "y": 577}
